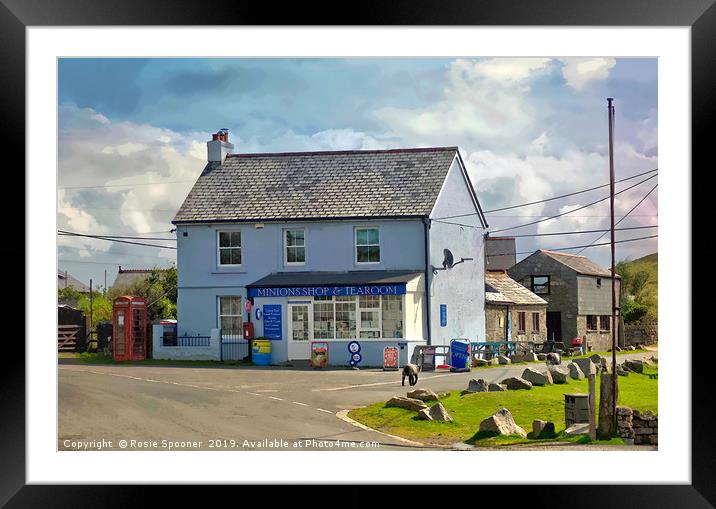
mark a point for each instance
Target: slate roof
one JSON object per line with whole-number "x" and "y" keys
{"x": 319, "y": 185}
{"x": 580, "y": 264}
{"x": 328, "y": 278}
{"x": 68, "y": 280}
{"x": 502, "y": 289}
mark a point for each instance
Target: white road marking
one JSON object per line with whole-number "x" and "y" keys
{"x": 253, "y": 394}
{"x": 274, "y": 397}
{"x": 382, "y": 383}
{"x": 266, "y": 390}
{"x": 299, "y": 403}
{"x": 327, "y": 411}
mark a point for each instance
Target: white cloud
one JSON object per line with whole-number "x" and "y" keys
{"x": 580, "y": 72}
{"x": 485, "y": 104}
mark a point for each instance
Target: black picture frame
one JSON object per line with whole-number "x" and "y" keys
{"x": 700, "y": 15}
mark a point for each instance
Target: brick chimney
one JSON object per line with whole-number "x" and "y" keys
{"x": 219, "y": 146}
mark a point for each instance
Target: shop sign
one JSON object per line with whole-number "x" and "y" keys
{"x": 328, "y": 291}
{"x": 459, "y": 355}
{"x": 354, "y": 349}
{"x": 390, "y": 358}
{"x": 319, "y": 354}
{"x": 443, "y": 315}
{"x": 272, "y": 321}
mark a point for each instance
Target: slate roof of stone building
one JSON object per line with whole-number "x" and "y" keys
{"x": 502, "y": 289}
{"x": 580, "y": 264}
{"x": 65, "y": 280}
{"x": 318, "y": 185}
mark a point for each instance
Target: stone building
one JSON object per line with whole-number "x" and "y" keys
{"x": 512, "y": 312}
{"x": 578, "y": 293}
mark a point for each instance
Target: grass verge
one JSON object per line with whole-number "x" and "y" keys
{"x": 95, "y": 358}
{"x": 636, "y": 390}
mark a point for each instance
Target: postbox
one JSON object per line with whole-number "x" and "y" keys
{"x": 248, "y": 330}
{"x": 129, "y": 317}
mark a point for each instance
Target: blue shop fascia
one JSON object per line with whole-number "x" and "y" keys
{"x": 340, "y": 248}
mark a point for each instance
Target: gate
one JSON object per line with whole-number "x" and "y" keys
{"x": 233, "y": 345}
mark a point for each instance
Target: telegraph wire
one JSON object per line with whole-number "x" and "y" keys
{"x": 128, "y": 185}
{"x": 573, "y": 210}
{"x": 584, "y": 231}
{"x": 548, "y": 199}
{"x": 63, "y": 232}
{"x": 625, "y": 215}
{"x": 573, "y": 247}
{"x": 72, "y": 234}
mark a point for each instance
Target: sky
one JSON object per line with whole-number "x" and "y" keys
{"x": 133, "y": 133}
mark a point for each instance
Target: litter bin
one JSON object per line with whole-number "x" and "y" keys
{"x": 576, "y": 408}
{"x": 261, "y": 352}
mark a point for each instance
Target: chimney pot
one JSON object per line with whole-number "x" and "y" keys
{"x": 219, "y": 146}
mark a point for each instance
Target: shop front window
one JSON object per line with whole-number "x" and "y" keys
{"x": 392, "y": 311}
{"x": 345, "y": 317}
{"x": 363, "y": 317}
{"x": 323, "y": 315}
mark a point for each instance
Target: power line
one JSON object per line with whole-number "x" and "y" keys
{"x": 128, "y": 185}
{"x": 115, "y": 240}
{"x": 625, "y": 215}
{"x": 548, "y": 199}
{"x": 566, "y": 195}
{"x": 584, "y": 231}
{"x": 118, "y": 253}
{"x": 63, "y": 232}
{"x": 95, "y": 263}
{"x": 573, "y": 210}
{"x": 573, "y": 247}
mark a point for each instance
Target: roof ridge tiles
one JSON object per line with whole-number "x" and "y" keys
{"x": 342, "y": 152}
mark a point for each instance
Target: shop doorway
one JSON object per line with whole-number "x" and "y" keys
{"x": 300, "y": 331}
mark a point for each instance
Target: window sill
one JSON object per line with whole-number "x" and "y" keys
{"x": 230, "y": 270}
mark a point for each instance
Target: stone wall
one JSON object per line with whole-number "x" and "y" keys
{"x": 598, "y": 341}
{"x": 641, "y": 427}
{"x": 194, "y": 353}
{"x": 641, "y": 332}
{"x": 529, "y": 334}
{"x": 494, "y": 331}
{"x": 562, "y": 295}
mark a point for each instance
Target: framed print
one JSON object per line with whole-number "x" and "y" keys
{"x": 356, "y": 177}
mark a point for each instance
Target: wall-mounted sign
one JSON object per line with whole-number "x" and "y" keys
{"x": 319, "y": 354}
{"x": 248, "y": 306}
{"x": 272, "y": 321}
{"x": 328, "y": 291}
{"x": 356, "y": 358}
{"x": 443, "y": 315}
{"x": 390, "y": 358}
{"x": 259, "y": 313}
{"x": 354, "y": 347}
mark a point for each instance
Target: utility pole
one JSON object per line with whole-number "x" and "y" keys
{"x": 90, "y": 305}
{"x": 104, "y": 288}
{"x": 614, "y": 286}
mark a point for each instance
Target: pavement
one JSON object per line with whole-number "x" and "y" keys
{"x": 123, "y": 407}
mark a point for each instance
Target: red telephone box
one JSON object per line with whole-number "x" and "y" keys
{"x": 129, "y": 315}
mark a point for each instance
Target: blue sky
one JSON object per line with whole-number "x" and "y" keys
{"x": 528, "y": 129}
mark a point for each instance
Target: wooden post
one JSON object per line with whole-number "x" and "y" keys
{"x": 592, "y": 406}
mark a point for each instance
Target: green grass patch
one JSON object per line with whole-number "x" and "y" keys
{"x": 95, "y": 358}
{"x": 638, "y": 391}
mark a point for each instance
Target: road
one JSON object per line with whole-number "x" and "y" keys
{"x": 246, "y": 408}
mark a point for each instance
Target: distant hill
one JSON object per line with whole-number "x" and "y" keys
{"x": 629, "y": 269}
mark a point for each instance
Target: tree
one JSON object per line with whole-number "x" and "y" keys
{"x": 159, "y": 289}
{"x": 633, "y": 311}
{"x": 101, "y": 308}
